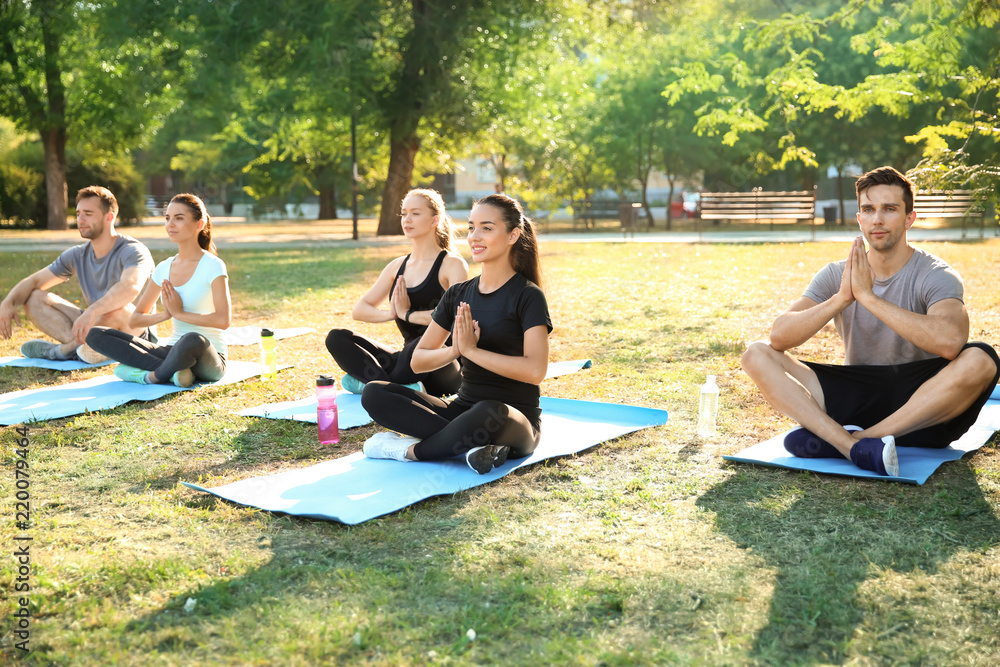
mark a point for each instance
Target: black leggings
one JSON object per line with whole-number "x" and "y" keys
{"x": 368, "y": 361}
{"x": 192, "y": 350}
{"x": 448, "y": 428}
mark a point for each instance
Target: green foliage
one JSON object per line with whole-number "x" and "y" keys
{"x": 22, "y": 183}
{"x": 877, "y": 72}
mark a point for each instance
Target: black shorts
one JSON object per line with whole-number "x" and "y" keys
{"x": 865, "y": 395}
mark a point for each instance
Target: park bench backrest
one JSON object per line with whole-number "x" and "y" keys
{"x": 759, "y": 205}
{"x": 946, "y": 204}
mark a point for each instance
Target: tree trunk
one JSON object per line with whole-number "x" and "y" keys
{"x": 327, "y": 193}
{"x": 54, "y": 142}
{"x": 53, "y": 128}
{"x": 645, "y": 201}
{"x": 327, "y": 202}
{"x": 403, "y": 153}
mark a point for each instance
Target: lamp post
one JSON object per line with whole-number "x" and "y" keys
{"x": 354, "y": 175}
{"x": 364, "y": 44}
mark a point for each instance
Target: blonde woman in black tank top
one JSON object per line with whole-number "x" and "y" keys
{"x": 406, "y": 293}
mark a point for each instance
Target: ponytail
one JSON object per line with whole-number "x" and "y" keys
{"x": 197, "y": 208}
{"x": 524, "y": 253}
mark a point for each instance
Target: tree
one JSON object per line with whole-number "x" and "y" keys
{"x": 938, "y": 58}
{"x": 116, "y": 89}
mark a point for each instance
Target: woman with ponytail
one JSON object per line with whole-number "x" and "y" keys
{"x": 193, "y": 287}
{"x": 412, "y": 285}
{"x": 499, "y": 327}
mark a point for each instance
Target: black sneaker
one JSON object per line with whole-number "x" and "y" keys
{"x": 805, "y": 444}
{"x": 484, "y": 459}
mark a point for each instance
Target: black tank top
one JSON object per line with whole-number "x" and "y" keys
{"x": 422, "y": 297}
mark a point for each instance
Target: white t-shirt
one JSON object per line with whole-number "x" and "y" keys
{"x": 196, "y": 295}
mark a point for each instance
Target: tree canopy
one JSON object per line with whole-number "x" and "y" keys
{"x": 566, "y": 98}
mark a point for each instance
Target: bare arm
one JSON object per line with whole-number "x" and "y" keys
{"x": 120, "y": 295}
{"x": 804, "y": 317}
{"x": 145, "y": 314}
{"x": 530, "y": 367}
{"x": 367, "y": 309}
{"x": 42, "y": 279}
{"x": 454, "y": 270}
{"x": 430, "y": 355}
{"x": 800, "y": 322}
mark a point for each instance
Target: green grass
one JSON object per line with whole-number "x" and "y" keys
{"x": 646, "y": 550}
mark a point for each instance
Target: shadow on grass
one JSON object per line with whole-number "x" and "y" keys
{"x": 826, "y": 538}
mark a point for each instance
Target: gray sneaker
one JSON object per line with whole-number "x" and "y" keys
{"x": 42, "y": 349}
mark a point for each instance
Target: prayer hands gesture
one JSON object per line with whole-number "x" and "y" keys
{"x": 858, "y": 277}
{"x": 399, "y": 301}
{"x": 465, "y": 332}
{"x": 171, "y": 299}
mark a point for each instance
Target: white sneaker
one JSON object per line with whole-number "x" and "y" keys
{"x": 89, "y": 355}
{"x": 388, "y": 445}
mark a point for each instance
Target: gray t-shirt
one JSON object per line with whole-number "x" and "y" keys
{"x": 922, "y": 282}
{"x": 97, "y": 276}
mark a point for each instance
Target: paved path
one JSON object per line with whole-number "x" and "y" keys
{"x": 243, "y": 238}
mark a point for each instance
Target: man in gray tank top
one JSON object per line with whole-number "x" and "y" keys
{"x": 111, "y": 268}
{"x": 911, "y": 377}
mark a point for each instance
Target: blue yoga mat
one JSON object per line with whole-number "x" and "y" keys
{"x": 916, "y": 464}
{"x": 350, "y": 414}
{"x": 355, "y": 489}
{"x": 67, "y": 365}
{"x": 100, "y": 393}
{"x": 560, "y": 368}
{"x": 247, "y": 335}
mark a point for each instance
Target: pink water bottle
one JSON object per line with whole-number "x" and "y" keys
{"x": 326, "y": 410}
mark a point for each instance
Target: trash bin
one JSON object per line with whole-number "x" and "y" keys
{"x": 830, "y": 215}
{"x": 628, "y": 214}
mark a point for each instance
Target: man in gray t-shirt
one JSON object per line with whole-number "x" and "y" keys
{"x": 911, "y": 376}
{"x": 111, "y": 268}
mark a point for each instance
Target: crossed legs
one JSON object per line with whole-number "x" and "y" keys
{"x": 54, "y": 316}
{"x": 794, "y": 389}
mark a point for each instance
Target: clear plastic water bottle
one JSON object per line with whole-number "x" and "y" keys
{"x": 708, "y": 407}
{"x": 326, "y": 410}
{"x": 268, "y": 357}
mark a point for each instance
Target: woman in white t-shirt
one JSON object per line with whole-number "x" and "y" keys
{"x": 193, "y": 287}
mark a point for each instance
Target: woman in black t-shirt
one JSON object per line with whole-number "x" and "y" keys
{"x": 499, "y": 326}
{"x": 432, "y": 266}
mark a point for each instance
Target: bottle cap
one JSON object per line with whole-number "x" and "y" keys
{"x": 266, "y": 332}
{"x": 711, "y": 378}
{"x": 324, "y": 381}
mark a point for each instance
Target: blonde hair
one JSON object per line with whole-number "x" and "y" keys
{"x": 444, "y": 232}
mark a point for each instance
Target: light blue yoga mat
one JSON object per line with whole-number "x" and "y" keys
{"x": 247, "y": 335}
{"x": 100, "y": 393}
{"x": 355, "y": 489}
{"x": 350, "y": 414}
{"x": 916, "y": 464}
{"x": 560, "y": 368}
{"x": 67, "y": 365}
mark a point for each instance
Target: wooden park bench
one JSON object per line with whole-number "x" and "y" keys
{"x": 591, "y": 210}
{"x": 759, "y": 205}
{"x": 945, "y": 204}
